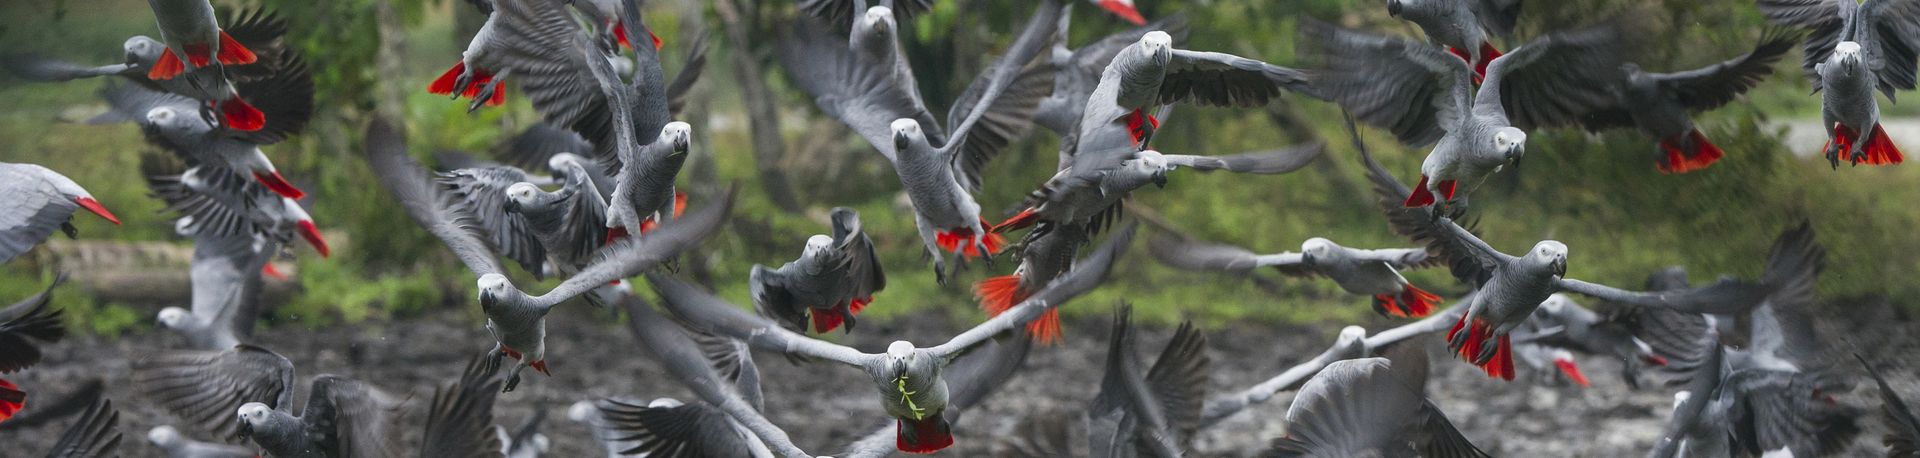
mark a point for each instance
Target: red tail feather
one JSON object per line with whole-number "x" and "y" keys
{"x": 1501, "y": 364}
{"x": 825, "y": 320}
{"x": 1411, "y": 303}
{"x": 1573, "y": 371}
{"x": 444, "y": 84}
{"x": 1026, "y": 218}
{"x": 620, "y": 34}
{"x": 312, "y": 234}
{"x": 97, "y": 209}
{"x": 1139, "y": 124}
{"x": 859, "y": 304}
{"x": 272, "y": 272}
{"x": 1124, "y": 11}
{"x": 232, "y": 52}
{"x": 614, "y": 233}
{"x": 541, "y": 366}
{"x": 927, "y": 435}
{"x": 279, "y": 185}
{"x": 962, "y": 238}
{"x": 656, "y": 40}
{"x": 1880, "y": 149}
{"x": 1487, "y": 54}
{"x": 1002, "y": 293}
{"x": 1421, "y": 197}
{"x": 679, "y": 204}
{"x": 11, "y": 399}
{"x": 199, "y": 54}
{"x": 1689, "y": 153}
{"x": 1448, "y": 187}
{"x": 167, "y": 66}
{"x": 1655, "y": 360}
{"x": 240, "y": 116}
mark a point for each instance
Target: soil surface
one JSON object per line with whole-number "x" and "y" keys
{"x": 826, "y": 407}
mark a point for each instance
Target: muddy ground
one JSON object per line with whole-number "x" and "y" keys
{"x": 826, "y": 407}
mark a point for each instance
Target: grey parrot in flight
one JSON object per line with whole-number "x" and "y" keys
{"x": 1465, "y": 27}
{"x": 1092, "y": 198}
{"x": 1365, "y": 272}
{"x": 863, "y": 80}
{"x": 1853, "y": 49}
{"x": 1553, "y": 81}
{"x": 1044, "y": 255}
{"x": 1561, "y": 323}
{"x": 572, "y": 84}
{"x": 1658, "y": 104}
{"x": 908, "y": 378}
{"x": 190, "y": 31}
{"x": 1509, "y": 288}
{"x": 1079, "y": 69}
{"x": 168, "y": 121}
{"x": 1370, "y": 407}
{"x": 257, "y": 30}
{"x": 39, "y": 201}
{"x": 833, "y": 280}
{"x": 1351, "y": 343}
{"x": 1154, "y": 411}
{"x": 214, "y": 203}
{"x": 516, "y": 319}
{"x": 1779, "y": 390}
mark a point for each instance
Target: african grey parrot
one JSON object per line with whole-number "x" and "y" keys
{"x": 1092, "y": 197}
{"x": 342, "y": 417}
{"x": 1853, "y": 49}
{"x": 1552, "y": 81}
{"x": 1509, "y": 287}
{"x": 1779, "y": 390}
{"x": 834, "y": 278}
{"x": 1464, "y": 27}
{"x": 569, "y": 80}
{"x": 864, "y": 81}
{"x": 569, "y": 223}
{"x": 39, "y": 200}
{"x": 1370, "y": 407}
{"x": 223, "y": 90}
{"x": 971, "y": 379}
{"x": 1150, "y": 74}
{"x": 169, "y": 122}
{"x": 175, "y": 445}
{"x": 480, "y": 194}
{"x": 95, "y": 434}
{"x": 518, "y": 320}
{"x": 206, "y": 387}
{"x": 1903, "y": 430}
{"x": 1658, "y": 104}
{"x": 474, "y": 74}
{"x": 225, "y": 298}
{"x": 22, "y": 325}
{"x": 1152, "y": 412}
{"x": 908, "y": 378}
{"x": 1080, "y": 68}
{"x": 1562, "y": 323}
{"x": 1364, "y": 272}
{"x": 1045, "y": 255}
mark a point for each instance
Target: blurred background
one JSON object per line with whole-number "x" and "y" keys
{"x": 393, "y": 305}
{"x": 1600, "y": 194}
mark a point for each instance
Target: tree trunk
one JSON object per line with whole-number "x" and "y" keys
{"x": 762, "y": 119}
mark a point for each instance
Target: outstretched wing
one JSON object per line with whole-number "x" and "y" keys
{"x": 96, "y": 434}
{"x": 862, "y": 95}
{"x": 690, "y": 71}
{"x": 1269, "y": 162}
{"x": 860, "y": 262}
{"x": 998, "y": 106}
{"x": 349, "y": 418}
{"x": 1220, "y": 79}
{"x": 1411, "y": 88}
{"x": 459, "y": 422}
{"x": 706, "y": 313}
{"x": 480, "y": 196}
{"x": 206, "y": 387}
{"x": 1183, "y": 252}
{"x": 1903, "y": 430}
{"x": 631, "y": 256}
{"x": 409, "y": 183}
{"x": 1178, "y": 379}
{"x": 696, "y": 431}
{"x": 1558, "y": 79}
{"x": 26, "y": 322}
{"x": 1716, "y": 85}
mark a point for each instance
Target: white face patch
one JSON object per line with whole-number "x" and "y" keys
{"x": 900, "y": 349}
{"x": 1156, "y": 40}
{"x": 172, "y": 316}
{"x": 522, "y": 192}
{"x": 906, "y": 126}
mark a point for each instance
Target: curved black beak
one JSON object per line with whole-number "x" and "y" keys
{"x": 487, "y": 300}
{"x": 246, "y": 429}
{"x": 1560, "y": 267}
{"x": 1160, "y": 179}
{"x": 1306, "y": 259}
{"x": 899, "y": 141}
{"x": 1393, "y": 8}
{"x": 512, "y": 206}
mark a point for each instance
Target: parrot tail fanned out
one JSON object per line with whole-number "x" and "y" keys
{"x": 1572, "y": 370}
{"x": 1472, "y": 347}
{"x": 1002, "y": 293}
{"x": 926, "y": 435}
{"x": 1688, "y": 153}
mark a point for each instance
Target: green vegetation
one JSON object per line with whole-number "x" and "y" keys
{"x": 1599, "y": 194}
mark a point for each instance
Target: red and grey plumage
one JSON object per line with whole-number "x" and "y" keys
{"x": 40, "y": 200}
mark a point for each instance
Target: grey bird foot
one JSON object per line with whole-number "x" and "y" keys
{"x": 513, "y": 379}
